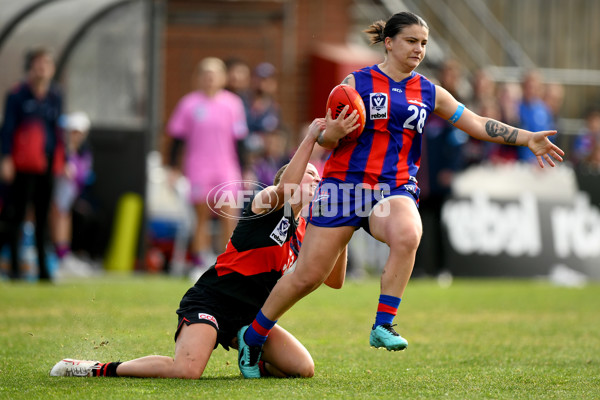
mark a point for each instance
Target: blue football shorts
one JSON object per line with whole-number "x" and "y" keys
{"x": 338, "y": 203}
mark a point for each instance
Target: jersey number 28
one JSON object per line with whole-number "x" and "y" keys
{"x": 422, "y": 115}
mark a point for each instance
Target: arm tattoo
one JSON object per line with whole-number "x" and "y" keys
{"x": 495, "y": 128}
{"x": 346, "y": 80}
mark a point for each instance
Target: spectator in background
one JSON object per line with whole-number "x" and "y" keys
{"x": 508, "y": 98}
{"x": 483, "y": 102}
{"x": 497, "y": 102}
{"x": 451, "y": 73}
{"x": 444, "y": 156}
{"x": 239, "y": 80}
{"x": 68, "y": 187}
{"x": 444, "y": 142}
{"x": 591, "y": 163}
{"x": 534, "y": 113}
{"x": 484, "y": 87}
{"x": 554, "y": 97}
{"x": 209, "y": 121}
{"x": 264, "y": 124}
{"x": 588, "y": 138}
{"x": 273, "y": 156}
{"x": 32, "y": 152}
{"x": 264, "y": 114}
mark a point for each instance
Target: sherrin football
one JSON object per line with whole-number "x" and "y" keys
{"x": 345, "y": 95}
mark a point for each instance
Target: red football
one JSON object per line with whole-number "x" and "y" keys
{"x": 345, "y": 95}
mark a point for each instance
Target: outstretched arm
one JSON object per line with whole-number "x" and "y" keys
{"x": 273, "y": 197}
{"x": 490, "y": 130}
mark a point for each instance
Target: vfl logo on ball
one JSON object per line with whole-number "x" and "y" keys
{"x": 279, "y": 234}
{"x": 378, "y": 104}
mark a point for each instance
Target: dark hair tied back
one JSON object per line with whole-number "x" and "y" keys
{"x": 376, "y": 32}
{"x": 379, "y": 30}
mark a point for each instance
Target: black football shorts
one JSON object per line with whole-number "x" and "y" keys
{"x": 202, "y": 305}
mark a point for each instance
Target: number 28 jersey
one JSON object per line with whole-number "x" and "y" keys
{"x": 389, "y": 149}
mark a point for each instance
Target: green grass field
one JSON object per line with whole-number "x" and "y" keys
{"x": 496, "y": 339}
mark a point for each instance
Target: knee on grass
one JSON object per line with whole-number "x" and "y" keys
{"x": 188, "y": 375}
{"x": 307, "y": 370}
{"x": 303, "y": 369}
{"x": 187, "y": 372}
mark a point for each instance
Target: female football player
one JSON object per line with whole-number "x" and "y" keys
{"x": 263, "y": 247}
{"x": 376, "y": 172}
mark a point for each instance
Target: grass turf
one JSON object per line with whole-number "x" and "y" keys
{"x": 497, "y": 339}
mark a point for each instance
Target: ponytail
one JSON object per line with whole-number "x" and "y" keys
{"x": 375, "y": 32}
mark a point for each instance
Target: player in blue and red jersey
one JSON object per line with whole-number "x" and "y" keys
{"x": 264, "y": 246}
{"x": 370, "y": 182}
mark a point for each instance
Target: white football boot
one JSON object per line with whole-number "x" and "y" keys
{"x": 69, "y": 367}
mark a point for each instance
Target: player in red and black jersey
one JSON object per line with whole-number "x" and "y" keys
{"x": 263, "y": 247}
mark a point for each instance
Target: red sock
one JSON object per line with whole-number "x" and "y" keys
{"x": 107, "y": 369}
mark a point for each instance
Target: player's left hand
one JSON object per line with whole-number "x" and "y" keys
{"x": 316, "y": 127}
{"x": 544, "y": 149}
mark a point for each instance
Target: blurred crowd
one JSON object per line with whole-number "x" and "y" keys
{"x": 531, "y": 103}
{"x": 247, "y": 140}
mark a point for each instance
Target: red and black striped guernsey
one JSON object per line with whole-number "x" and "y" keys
{"x": 261, "y": 249}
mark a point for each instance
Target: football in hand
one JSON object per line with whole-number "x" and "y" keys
{"x": 345, "y": 95}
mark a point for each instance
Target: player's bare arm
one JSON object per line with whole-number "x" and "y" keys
{"x": 490, "y": 130}
{"x": 273, "y": 197}
{"x": 497, "y": 129}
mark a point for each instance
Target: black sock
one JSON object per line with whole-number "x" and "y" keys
{"x": 107, "y": 369}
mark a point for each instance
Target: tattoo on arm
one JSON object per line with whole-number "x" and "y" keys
{"x": 495, "y": 128}
{"x": 346, "y": 80}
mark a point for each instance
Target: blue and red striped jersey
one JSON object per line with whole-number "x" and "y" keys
{"x": 389, "y": 148}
